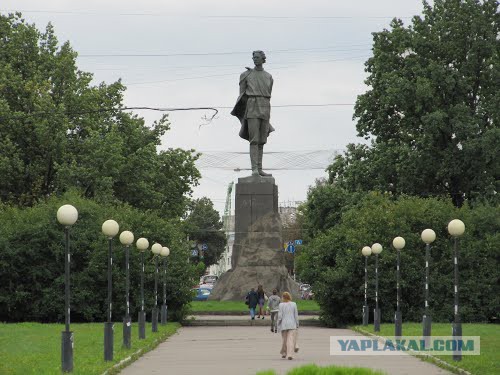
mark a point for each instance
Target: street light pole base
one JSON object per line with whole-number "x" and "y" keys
{"x": 376, "y": 320}
{"x": 67, "y": 351}
{"x": 398, "y": 324}
{"x": 366, "y": 315}
{"x": 163, "y": 314}
{"x": 154, "y": 320}
{"x": 426, "y": 330}
{"x": 142, "y": 325}
{"x": 108, "y": 341}
{"x": 457, "y": 335}
{"x": 127, "y": 332}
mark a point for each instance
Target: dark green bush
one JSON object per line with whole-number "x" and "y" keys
{"x": 333, "y": 263}
{"x": 32, "y": 262}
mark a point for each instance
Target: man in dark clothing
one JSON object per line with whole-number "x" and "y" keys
{"x": 252, "y": 300}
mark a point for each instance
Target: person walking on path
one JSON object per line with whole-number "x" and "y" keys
{"x": 288, "y": 323}
{"x": 273, "y": 304}
{"x": 262, "y": 300}
{"x": 252, "y": 301}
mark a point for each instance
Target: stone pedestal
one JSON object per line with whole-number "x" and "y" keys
{"x": 258, "y": 256}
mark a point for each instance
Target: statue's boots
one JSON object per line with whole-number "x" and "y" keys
{"x": 259, "y": 165}
{"x": 254, "y": 159}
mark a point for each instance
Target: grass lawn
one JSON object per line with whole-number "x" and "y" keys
{"x": 35, "y": 348}
{"x": 485, "y": 364}
{"x": 237, "y": 306}
{"x": 330, "y": 370}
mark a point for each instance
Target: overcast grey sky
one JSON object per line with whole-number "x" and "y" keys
{"x": 315, "y": 51}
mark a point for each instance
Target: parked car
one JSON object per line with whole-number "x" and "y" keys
{"x": 209, "y": 279}
{"x": 304, "y": 287}
{"x": 306, "y": 292}
{"x": 201, "y": 294}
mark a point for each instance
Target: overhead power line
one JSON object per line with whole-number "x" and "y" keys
{"x": 159, "y": 109}
{"x": 224, "y": 53}
{"x": 170, "y": 15}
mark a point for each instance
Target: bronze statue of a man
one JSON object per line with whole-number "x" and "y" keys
{"x": 253, "y": 109}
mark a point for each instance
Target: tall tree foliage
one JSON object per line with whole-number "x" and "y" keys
{"x": 432, "y": 108}
{"x": 204, "y": 226}
{"x": 58, "y": 131}
{"x": 333, "y": 263}
{"x": 32, "y": 262}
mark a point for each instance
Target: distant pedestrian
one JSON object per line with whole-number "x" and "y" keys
{"x": 273, "y": 306}
{"x": 252, "y": 301}
{"x": 262, "y": 300}
{"x": 288, "y": 323}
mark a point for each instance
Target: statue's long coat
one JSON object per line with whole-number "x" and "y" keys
{"x": 240, "y": 109}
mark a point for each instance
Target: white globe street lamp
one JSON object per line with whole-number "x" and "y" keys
{"x": 376, "y": 249}
{"x": 456, "y": 228}
{"x": 156, "y": 250}
{"x": 67, "y": 215}
{"x": 127, "y": 239}
{"x": 428, "y": 236}
{"x": 142, "y": 244}
{"x": 398, "y": 243}
{"x": 165, "y": 252}
{"x": 110, "y": 229}
{"x": 366, "y": 251}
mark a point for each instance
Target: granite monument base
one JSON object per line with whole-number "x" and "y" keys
{"x": 258, "y": 257}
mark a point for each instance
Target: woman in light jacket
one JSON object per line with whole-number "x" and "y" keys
{"x": 288, "y": 322}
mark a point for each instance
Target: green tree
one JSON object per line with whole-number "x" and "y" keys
{"x": 432, "y": 109}
{"x": 57, "y": 131}
{"x": 204, "y": 226}
{"x": 32, "y": 262}
{"x": 333, "y": 264}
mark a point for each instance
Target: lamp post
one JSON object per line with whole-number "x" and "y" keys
{"x": 156, "y": 250}
{"x": 366, "y": 251}
{"x": 399, "y": 244}
{"x": 428, "y": 236}
{"x": 165, "y": 252}
{"x": 110, "y": 228}
{"x": 67, "y": 215}
{"x": 456, "y": 228}
{"x": 127, "y": 239}
{"x": 142, "y": 244}
{"x": 376, "y": 249}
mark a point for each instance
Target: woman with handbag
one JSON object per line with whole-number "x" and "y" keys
{"x": 288, "y": 323}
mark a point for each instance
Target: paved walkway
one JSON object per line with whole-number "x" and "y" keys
{"x": 246, "y": 350}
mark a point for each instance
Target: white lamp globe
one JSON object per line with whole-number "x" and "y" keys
{"x": 156, "y": 248}
{"x": 398, "y": 243}
{"x": 67, "y": 215}
{"x": 428, "y": 236}
{"x": 456, "y": 228}
{"x": 165, "y": 251}
{"x": 367, "y": 250}
{"x": 142, "y": 244}
{"x": 126, "y": 238}
{"x": 376, "y": 248}
{"x": 110, "y": 228}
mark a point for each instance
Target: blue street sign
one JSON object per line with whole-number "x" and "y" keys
{"x": 204, "y": 247}
{"x": 298, "y": 242}
{"x": 290, "y": 249}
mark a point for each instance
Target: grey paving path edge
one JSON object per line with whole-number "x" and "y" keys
{"x": 246, "y": 350}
